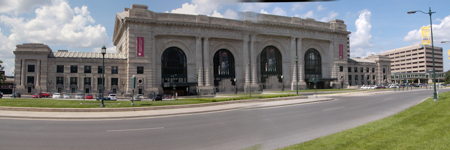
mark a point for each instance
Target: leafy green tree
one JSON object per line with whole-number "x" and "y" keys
{"x": 447, "y": 77}
{"x": 2, "y": 74}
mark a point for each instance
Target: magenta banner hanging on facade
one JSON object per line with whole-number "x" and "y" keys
{"x": 341, "y": 51}
{"x": 140, "y": 46}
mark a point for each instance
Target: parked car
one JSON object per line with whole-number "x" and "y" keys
{"x": 89, "y": 96}
{"x": 112, "y": 97}
{"x": 42, "y": 94}
{"x": 364, "y": 87}
{"x": 66, "y": 96}
{"x": 36, "y": 95}
{"x": 394, "y": 86}
{"x": 16, "y": 95}
{"x": 138, "y": 97}
{"x": 379, "y": 87}
{"x": 104, "y": 98}
{"x": 57, "y": 95}
{"x": 78, "y": 96}
{"x": 158, "y": 97}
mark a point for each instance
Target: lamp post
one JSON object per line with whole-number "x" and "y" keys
{"x": 235, "y": 86}
{"x": 103, "y": 75}
{"x": 49, "y": 83}
{"x": 250, "y": 86}
{"x": 296, "y": 72}
{"x": 432, "y": 48}
{"x": 282, "y": 85}
{"x": 84, "y": 87}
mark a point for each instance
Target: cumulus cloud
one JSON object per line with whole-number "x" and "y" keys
{"x": 440, "y": 32}
{"x": 320, "y": 7}
{"x": 54, "y": 24}
{"x": 254, "y": 7}
{"x": 360, "y": 40}
{"x": 298, "y": 6}
{"x": 332, "y": 15}
{"x": 263, "y": 11}
{"x": 279, "y": 11}
{"x": 20, "y": 6}
{"x": 206, "y": 7}
{"x": 309, "y": 14}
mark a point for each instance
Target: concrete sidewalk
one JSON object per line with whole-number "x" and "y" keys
{"x": 155, "y": 112}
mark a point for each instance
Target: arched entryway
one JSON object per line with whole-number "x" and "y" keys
{"x": 313, "y": 68}
{"x": 174, "y": 71}
{"x": 271, "y": 67}
{"x": 224, "y": 70}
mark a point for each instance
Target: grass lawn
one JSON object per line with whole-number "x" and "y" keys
{"x": 424, "y": 126}
{"x": 51, "y": 103}
{"x": 318, "y": 90}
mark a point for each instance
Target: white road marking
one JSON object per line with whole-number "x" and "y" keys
{"x": 332, "y": 108}
{"x": 134, "y": 129}
{"x": 388, "y": 98}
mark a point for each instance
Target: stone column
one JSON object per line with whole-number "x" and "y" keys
{"x": 207, "y": 62}
{"x": 199, "y": 58}
{"x": 38, "y": 75}
{"x": 246, "y": 59}
{"x": 23, "y": 73}
{"x": 293, "y": 65}
{"x": 253, "y": 58}
{"x": 301, "y": 61}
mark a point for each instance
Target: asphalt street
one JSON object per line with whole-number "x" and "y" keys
{"x": 269, "y": 128}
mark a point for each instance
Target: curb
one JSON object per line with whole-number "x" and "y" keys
{"x": 161, "y": 115}
{"x": 36, "y": 109}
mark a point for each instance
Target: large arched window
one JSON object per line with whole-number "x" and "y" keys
{"x": 223, "y": 66}
{"x": 271, "y": 63}
{"x": 313, "y": 65}
{"x": 173, "y": 65}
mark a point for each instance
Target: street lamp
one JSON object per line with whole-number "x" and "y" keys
{"x": 235, "y": 86}
{"x": 84, "y": 87}
{"x": 282, "y": 85}
{"x": 432, "y": 48}
{"x": 296, "y": 72}
{"x": 103, "y": 75}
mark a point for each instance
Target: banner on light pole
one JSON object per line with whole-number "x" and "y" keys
{"x": 426, "y": 35}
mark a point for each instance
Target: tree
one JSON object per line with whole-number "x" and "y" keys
{"x": 447, "y": 77}
{"x": 2, "y": 74}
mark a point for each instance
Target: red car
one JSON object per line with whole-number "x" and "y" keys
{"x": 89, "y": 96}
{"x": 42, "y": 94}
{"x": 36, "y": 95}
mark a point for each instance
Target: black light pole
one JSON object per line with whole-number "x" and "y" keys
{"x": 103, "y": 75}
{"x": 296, "y": 72}
{"x": 235, "y": 86}
{"x": 432, "y": 48}
{"x": 84, "y": 87}
{"x": 250, "y": 86}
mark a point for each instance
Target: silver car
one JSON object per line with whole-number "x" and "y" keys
{"x": 79, "y": 96}
{"x": 57, "y": 95}
{"x": 66, "y": 96}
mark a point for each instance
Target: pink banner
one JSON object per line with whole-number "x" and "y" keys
{"x": 140, "y": 46}
{"x": 341, "y": 51}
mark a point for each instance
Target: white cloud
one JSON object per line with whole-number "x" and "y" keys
{"x": 55, "y": 24}
{"x": 309, "y": 14}
{"x": 254, "y": 7}
{"x": 298, "y": 6}
{"x": 186, "y": 8}
{"x": 217, "y": 14}
{"x": 320, "y": 7}
{"x": 263, "y": 11}
{"x": 231, "y": 14}
{"x": 279, "y": 11}
{"x": 440, "y": 32}
{"x": 20, "y": 6}
{"x": 360, "y": 40}
{"x": 332, "y": 15}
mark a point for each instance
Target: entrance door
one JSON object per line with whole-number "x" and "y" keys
{"x": 29, "y": 89}
{"x": 87, "y": 90}
{"x": 173, "y": 68}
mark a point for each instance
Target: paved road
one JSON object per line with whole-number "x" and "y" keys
{"x": 237, "y": 129}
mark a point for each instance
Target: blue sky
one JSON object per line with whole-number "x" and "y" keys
{"x": 86, "y": 25}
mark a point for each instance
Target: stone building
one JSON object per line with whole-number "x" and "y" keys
{"x": 194, "y": 53}
{"x": 373, "y": 70}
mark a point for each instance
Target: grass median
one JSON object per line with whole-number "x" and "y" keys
{"x": 424, "y": 126}
{"x": 51, "y": 103}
